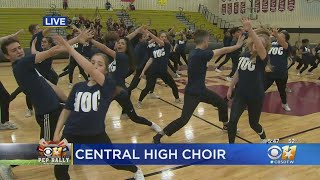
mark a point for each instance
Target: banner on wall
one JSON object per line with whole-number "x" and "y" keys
{"x": 291, "y": 4}
{"x": 243, "y": 7}
{"x": 257, "y": 6}
{"x": 236, "y": 8}
{"x": 282, "y": 5}
{"x": 265, "y": 6}
{"x": 223, "y": 9}
{"x": 273, "y": 5}
{"x": 229, "y": 10}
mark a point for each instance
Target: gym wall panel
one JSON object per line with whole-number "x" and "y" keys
{"x": 305, "y": 15}
{"x": 172, "y": 5}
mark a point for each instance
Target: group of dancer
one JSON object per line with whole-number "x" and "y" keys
{"x": 259, "y": 56}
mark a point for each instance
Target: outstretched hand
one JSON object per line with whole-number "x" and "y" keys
{"x": 85, "y": 36}
{"x": 246, "y": 23}
{"x": 62, "y": 44}
{"x": 15, "y": 35}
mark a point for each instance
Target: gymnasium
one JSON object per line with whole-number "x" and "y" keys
{"x": 290, "y": 101}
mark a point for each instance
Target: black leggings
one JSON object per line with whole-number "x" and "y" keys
{"x": 239, "y": 104}
{"x": 72, "y": 65}
{"x": 314, "y": 64}
{"x": 16, "y": 93}
{"x": 124, "y": 100}
{"x": 61, "y": 171}
{"x": 151, "y": 81}
{"x": 48, "y": 123}
{"x": 226, "y": 59}
{"x": 190, "y": 104}
{"x": 281, "y": 85}
{"x": 181, "y": 53}
{"x": 293, "y": 61}
{"x": 135, "y": 82}
{"x": 4, "y": 103}
{"x": 305, "y": 64}
{"x": 235, "y": 62}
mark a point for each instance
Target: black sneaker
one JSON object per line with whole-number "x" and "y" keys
{"x": 156, "y": 139}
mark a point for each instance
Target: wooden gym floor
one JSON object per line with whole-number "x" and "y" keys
{"x": 302, "y": 124}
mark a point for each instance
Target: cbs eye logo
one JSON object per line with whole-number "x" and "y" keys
{"x": 47, "y": 152}
{"x": 286, "y": 152}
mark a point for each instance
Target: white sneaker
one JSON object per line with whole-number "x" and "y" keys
{"x": 139, "y": 105}
{"x": 228, "y": 79}
{"x": 154, "y": 96}
{"x": 309, "y": 73}
{"x": 218, "y": 70}
{"x": 139, "y": 175}
{"x": 6, "y": 172}
{"x": 70, "y": 86}
{"x": 263, "y": 141}
{"x": 177, "y": 75}
{"x": 79, "y": 77}
{"x": 156, "y": 127}
{"x": 124, "y": 116}
{"x": 29, "y": 113}
{"x": 179, "y": 101}
{"x": 298, "y": 74}
{"x": 288, "y": 90}
{"x": 286, "y": 107}
{"x": 8, "y": 126}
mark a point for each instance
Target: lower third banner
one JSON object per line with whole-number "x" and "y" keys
{"x": 64, "y": 153}
{"x": 197, "y": 154}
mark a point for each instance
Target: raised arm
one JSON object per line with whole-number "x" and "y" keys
{"x": 134, "y": 33}
{"x": 153, "y": 37}
{"x": 15, "y": 35}
{"x": 229, "y": 49}
{"x": 104, "y": 48}
{"x": 256, "y": 40}
{"x": 82, "y": 61}
{"x": 46, "y": 32}
{"x": 282, "y": 41}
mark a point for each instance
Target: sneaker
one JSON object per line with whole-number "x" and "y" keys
{"x": 179, "y": 101}
{"x": 156, "y": 139}
{"x": 79, "y": 77}
{"x": 177, "y": 75}
{"x": 8, "y": 126}
{"x": 286, "y": 107}
{"x": 179, "y": 72}
{"x": 288, "y": 90}
{"x": 139, "y": 175}
{"x": 70, "y": 86}
{"x": 156, "y": 127}
{"x": 225, "y": 129}
{"x": 124, "y": 116}
{"x": 309, "y": 73}
{"x": 6, "y": 172}
{"x": 228, "y": 79}
{"x": 139, "y": 105}
{"x": 264, "y": 141}
{"x": 218, "y": 70}
{"x": 29, "y": 113}
{"x": 154, "y": 96}
{"x": 298, "y": 74}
